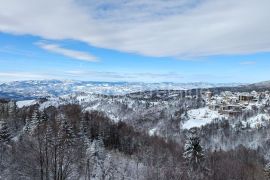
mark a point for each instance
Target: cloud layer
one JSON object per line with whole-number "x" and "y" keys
{"x": 79, "y": 55}
{"x": 12, "y": 76}
{"x": 158, "y": 28}
{"x": 122, "y": 76}
{"x": 91, "y": 75}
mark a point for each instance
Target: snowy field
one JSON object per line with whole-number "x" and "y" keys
{"x": 21, "y": 104}
{"x": 258, "y": 120}
{"x": 200, "y": 117}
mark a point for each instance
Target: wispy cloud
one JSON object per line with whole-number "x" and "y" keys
{"x": 17, "y": 76}
{"x": 90, "y": 75}
{"x": 177, "y": 28}
{"x": 123, "y": 76}
{"x": 248, "y": 62}
{"x": 93, "y": 75}
{"x": 78, "y": 55}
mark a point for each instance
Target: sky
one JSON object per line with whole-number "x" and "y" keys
{"x": 218, "y": 41}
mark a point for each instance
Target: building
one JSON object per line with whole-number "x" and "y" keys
{"x": 232, "y": 110}
{"x": 246, "y": 97}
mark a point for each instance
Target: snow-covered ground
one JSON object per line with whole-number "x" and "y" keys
{"x": 124, "y": 108}
{"x": 21, "y": 104}
{"x": 200, "y": 117}
{"x": 52, "y": 102}
{"x": 258, "y": 120}
{"x": 203, "y": 116}
{"x": 152, "y": 131}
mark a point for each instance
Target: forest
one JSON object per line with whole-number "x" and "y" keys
{"x": 66, "y": 142}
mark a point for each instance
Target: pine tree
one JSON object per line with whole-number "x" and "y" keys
{"x": 26, "y": 128}
{"x": 67, "y": 133}
{"x": 98, "y": 157}
{"x": 32, "y": 122}
{"x": 12, "y": 108}
{"x": 267, "y": 171}
{"x": 4, "y": 133}
{"x": 84, "y": 123}
{"x": 101, "y": 149}
{"x": 193, "y": 151}
{"x": 82, "y": 131}
{"x": 35, "y": 117}
{"x": 43, "y": 117}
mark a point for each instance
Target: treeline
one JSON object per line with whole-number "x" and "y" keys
{"x": 68, "y": 143}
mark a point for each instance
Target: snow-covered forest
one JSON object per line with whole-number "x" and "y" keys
{"x": 134, "y": 90}
{"x": 146, "y": 135}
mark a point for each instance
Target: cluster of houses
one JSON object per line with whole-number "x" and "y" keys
{"x": 233, "y": 103}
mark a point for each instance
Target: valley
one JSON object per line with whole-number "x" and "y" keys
{"x": 225, "y": 119}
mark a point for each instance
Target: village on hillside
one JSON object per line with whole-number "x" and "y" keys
{"x": 249, "y": 108}
{"x": 234, "y": 103}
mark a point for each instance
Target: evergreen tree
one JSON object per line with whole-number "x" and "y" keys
{"x": 98, "y": 157}
{"x": 43, "y": 117}
{"x": 35, "y": 117}
{"x": 12, "y": 108}
{"x": 82, "y": 131}
{"x": 193, "y": 151}
{"x": 67, "y": 133}
{"x": 32, "y": 122}
{"x": 4, "y": 133}
{"x": 26, "y": 128}
{"x": 101, "y": 148}
{"x": 84, "y": 124}
{"x": 267, "y": 171}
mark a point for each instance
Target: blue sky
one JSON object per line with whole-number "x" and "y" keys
{"x": 184, "y": 43}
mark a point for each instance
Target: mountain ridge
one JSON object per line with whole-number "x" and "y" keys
{"x": 32, "y": 89}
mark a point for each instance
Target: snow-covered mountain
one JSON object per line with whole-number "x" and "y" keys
{"x": 89, "y": 111}
{"x": 166, "y": 113}
{"x": 32, "y": 89}
{"x": 265, "y": 84}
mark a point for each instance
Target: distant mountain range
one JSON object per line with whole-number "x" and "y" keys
{"x": 41, "y": 88}
{"x": 264, "y": 84}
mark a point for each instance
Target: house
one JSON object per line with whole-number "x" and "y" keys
{"x": 245, "y": 97}
{"x": 230, "y": 109}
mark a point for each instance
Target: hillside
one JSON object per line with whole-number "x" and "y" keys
{"x": 138, "y": 135}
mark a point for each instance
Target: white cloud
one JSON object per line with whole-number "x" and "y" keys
{"x": 17, "y": 76}
{"x": 92, "y": 75}
{"x": 123, "y": 76}
{"x": 157, "y": 28}
{"x": 79, "y": 55}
